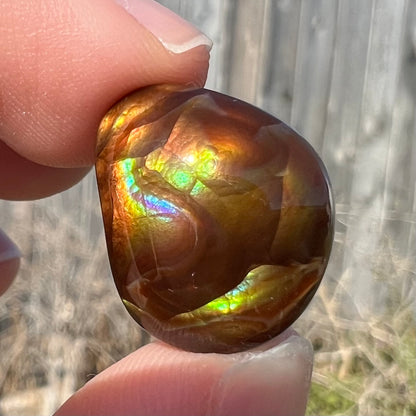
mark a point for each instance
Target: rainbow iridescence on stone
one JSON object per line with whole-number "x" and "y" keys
{"x": 218, "y": 217}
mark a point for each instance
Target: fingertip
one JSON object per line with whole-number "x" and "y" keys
{"x": 160, "y": 379}
{"x": 9, "y": 261}
{"x": 65, "y": 68}
{"x": 157, "y": 379}
{"x": 22, "y": 179}
{"x": 8, "y": 272}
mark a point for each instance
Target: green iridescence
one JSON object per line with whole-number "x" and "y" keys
{"x": 127, "y": 166}
{"x": 184, "y": 175}
{"x": 182, "y": 180}
{"x": 246, "y": 296}
{"x": 232, "y": 300}
{"x": 125, "y": 170}
{"x": 186, "y": 172}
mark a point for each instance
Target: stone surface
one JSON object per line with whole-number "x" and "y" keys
{"x": 218, "y": 217}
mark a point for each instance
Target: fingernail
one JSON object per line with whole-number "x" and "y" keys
{"x": 275, "y": 381}
{"x": 176, "y": 34}
{"x": 8, "y": 249}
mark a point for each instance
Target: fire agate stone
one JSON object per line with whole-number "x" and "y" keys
{"x": 218, "y": 217}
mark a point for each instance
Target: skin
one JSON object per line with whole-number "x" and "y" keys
{"x": 63, "y": 64}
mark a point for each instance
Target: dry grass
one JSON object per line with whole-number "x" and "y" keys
{"x": 365, "y": 359}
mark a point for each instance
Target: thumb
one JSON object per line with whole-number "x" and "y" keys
{"x": 65, "y": 62}
{"x": 161, "y": 380}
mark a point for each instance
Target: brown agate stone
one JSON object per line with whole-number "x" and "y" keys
{"x": 218, "y": 217}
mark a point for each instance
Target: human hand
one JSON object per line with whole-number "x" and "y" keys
{"x": 63, "y": 64}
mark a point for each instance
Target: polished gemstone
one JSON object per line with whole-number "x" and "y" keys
{"x": 218, "y": 217}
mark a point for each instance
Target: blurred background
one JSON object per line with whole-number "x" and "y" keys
{"x": 343, "y": 74}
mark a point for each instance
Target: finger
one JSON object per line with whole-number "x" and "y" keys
{"x": 9, "y": 261}
{"x": 158, "y": 379}
{"x": 21, "y": 179}
{"x": 64, "y": 63}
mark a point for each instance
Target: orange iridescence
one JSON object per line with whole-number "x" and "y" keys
{"x": 218, "y": 217}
